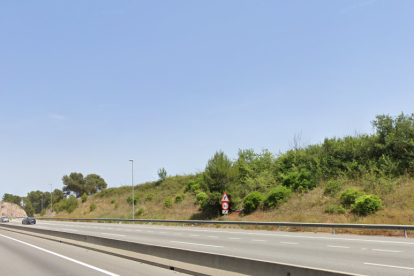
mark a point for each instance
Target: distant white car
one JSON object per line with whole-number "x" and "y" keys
{"x": 4, "y": 219}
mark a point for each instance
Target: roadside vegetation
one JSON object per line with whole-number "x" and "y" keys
{"x": 365, "y": 178}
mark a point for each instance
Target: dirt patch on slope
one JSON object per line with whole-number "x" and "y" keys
{"x": 11, "y": 210}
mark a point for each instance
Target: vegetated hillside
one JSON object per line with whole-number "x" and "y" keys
{"x": 355, "y": 179}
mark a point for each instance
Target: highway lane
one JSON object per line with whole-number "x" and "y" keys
{"x": 26, "y": 255}
{"x": 357, "y": 254}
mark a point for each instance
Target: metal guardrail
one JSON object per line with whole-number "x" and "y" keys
{"x": 404, "y": 228}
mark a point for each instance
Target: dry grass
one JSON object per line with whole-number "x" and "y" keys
{"x": 397, "y": 197}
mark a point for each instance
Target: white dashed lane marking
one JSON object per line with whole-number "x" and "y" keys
{"x": 197, "y": 244}
{"x": 383, "y": 250}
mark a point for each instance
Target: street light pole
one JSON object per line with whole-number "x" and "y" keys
{"x": 51, "y": 203}
{"x": 133, "y": 199}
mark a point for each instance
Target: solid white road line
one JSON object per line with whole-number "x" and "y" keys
{"x": 70, "y": 230}
{"x": 197, "y": 244}
{"x": 259, "y": 240}
{"x": 393, "y": 266}
{"x": 234, "y": 238}
{"x": 212, "y": 236}
{"x": 383, "y": 250}
{"x": 334, "y": 246}
{"x": 63, "y": 257}
{"x": 289, "y": 242}
{"x": 113, "y": 234}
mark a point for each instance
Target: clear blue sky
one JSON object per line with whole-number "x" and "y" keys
{"x": 87, "y": 85}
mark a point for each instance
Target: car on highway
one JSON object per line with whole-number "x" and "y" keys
{"x": 29, "y": 220}
{"x": 4, "y": 219}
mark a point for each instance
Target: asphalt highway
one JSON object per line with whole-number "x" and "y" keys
{"x": 26, "y": 255}
{"x": 366, "y": 255}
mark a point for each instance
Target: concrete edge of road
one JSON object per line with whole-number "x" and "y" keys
{"x": 141, "y": 258}
{"x": 201, "y": 262}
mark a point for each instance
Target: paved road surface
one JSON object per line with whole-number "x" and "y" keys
{"x": 24, "y": 255}
{"x": 367, "y": 255}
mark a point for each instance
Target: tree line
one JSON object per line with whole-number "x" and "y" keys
{"x": 253, "y": 177}
{"x": 74, "y": 186}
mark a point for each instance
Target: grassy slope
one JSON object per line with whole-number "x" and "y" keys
{"x": 309, "y": 207}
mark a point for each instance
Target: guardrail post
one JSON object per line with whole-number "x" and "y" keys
{"x": 162, "y": 223}
{"x": 333, "y": 230}
{"x": 405, "y": 233}
{"x": 239, "y": 226}
{"x": 278, "y": 228}
{"x": 183, "y": 224}
{"x": 209, "y": 225}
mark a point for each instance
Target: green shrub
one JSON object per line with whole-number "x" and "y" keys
{"x": 202, "y": 199}
{"x": 70, "y": 209}
{"x": 332, "y": 187}
{"x": 252, "y": 201}
{"x": 42, "y": 213}
{"x": 140, "y": 211}
{"x": 92, "y": 207}
{"x": 68, "y": 204}
{"x": 195, "y": 188}
{"x": 277, "y": 195}
{"x": 149, "y": 197}
{"x": 367, "y": 204}
{"x": 188, "y": 185}
{"x": 334, "y": 209}
{"x": 193, "y": 185}
{"x": 84, "y": 197}
{"x": 349, "y": 196}
{"x": 116, "y": 206}
{"x": 168, "y": 203}
{"x": 113, "y": 200}
{"x": 136, "y": 199}
{"x": 179, "y": 198}
{"x": 341, "y": 209}
{"x": 299, "y": 181}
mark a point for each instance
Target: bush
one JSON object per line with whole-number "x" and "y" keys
{"x": 70, "y": 209}
{"x": 92, "y": 207}
{"x": 113, "y": 200}
{"x": 179, "y": 198}
{"x": 252, "y": 201}
{"x": 332, "y": 187}
{"x": 168, "y": 203}
{"x": 334, "y": 209}
{"x": 349, "y": 196}
{"x": 140, "y": 211}
{"x": 68, "y": 204}
{"x": 277, "y": 195}
{"x": 188, "y": 185}
{"x": 116, "y": 206}
{"x": 299, "y": 181}
{"x": 42, "y": 213}
{"x": 202, "y": 199}
{"x": 367, "y": 204}
{"x": 149, "y": 197}
{"x": 136, "y": 199}
{"x": 84, "y": 197}
{"x": 195, "y": 188}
